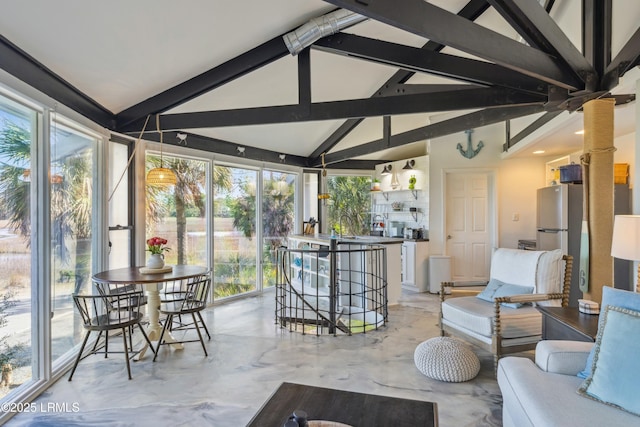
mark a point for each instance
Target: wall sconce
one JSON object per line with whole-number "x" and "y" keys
{"x": 410, "y": 164}
{"x": 240, "y": 150}
{"x": 386, "y": 170}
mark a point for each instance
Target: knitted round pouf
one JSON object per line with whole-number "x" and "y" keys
{"x": 446, "y": 359}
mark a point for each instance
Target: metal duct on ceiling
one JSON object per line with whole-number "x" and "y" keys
{"x": 317, "y": 28}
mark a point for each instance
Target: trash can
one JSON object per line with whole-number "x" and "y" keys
{"x": 439, "y": 271}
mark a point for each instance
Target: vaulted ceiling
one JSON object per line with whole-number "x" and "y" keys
{"x": 407, "y": 71}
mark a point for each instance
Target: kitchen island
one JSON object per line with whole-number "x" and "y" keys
{"x": 392, "y": 245}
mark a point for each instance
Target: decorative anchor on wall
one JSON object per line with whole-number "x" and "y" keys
{"x": 470, "y": 153}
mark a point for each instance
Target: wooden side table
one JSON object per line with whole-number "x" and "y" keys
{"x": 568, "y": 323}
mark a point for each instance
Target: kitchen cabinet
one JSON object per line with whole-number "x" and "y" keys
{"x": 415, "y": 257}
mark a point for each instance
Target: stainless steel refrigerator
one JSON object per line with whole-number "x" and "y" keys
{"x": 559, "y": 218}
{"x": 559, "y": 222}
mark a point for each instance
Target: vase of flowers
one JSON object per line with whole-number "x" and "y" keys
{"x": 156, "y": 245}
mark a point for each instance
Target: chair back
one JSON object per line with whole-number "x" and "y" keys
{"x": 541, "y": 270}
{"x": 197, "y": 292}
{"x": 177, "y": 289}
{"x": 111, "y": 292}
{"x": 106, "y": 311}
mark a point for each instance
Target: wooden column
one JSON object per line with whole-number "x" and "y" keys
{"x": 598, "y": 150}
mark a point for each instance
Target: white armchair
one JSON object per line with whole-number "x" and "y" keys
{"x": 496, "y": 327}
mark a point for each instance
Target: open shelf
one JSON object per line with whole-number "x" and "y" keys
{"x": 385, "y": 193}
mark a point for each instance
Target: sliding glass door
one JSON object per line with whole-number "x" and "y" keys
{"x": 72, "y": 178}
{"x": 18, "y": 136}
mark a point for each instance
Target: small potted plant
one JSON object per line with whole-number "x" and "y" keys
{"x": 375, "y": 185}
{"x": 412, "y": 182}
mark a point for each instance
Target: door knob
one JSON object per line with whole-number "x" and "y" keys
{"x": 449, "y": 237}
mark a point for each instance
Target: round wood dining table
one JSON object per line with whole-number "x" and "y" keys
{"x": 152, "y": 283}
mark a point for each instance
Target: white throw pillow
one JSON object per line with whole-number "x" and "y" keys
{"x": 549, "y": 275}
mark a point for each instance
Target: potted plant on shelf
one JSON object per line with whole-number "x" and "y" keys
{"x": 375, "y": 185}
{"x": 412, "y": 182}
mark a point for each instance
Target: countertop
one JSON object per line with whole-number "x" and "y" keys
{"x": 363, "y": 240}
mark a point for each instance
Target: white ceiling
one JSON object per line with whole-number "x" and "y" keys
{"x": 121, "y": 52}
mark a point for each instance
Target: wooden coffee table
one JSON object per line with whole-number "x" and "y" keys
{"x": 354, "y": 409}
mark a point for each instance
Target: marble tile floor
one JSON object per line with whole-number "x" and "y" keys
{"x": 249, "y": 356}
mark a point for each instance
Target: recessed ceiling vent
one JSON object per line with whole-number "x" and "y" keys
{"x": 319, "y": 27}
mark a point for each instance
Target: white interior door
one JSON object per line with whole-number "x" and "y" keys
{"x": 468, "y": 225}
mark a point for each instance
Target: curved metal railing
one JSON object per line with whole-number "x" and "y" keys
{"x": 337, "y": 289}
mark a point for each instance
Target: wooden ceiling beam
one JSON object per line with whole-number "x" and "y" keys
{"x": 369, "y": 107}
{"x": 427, "y": 20}
{"x": 421, "y": 60}
{"x": 536, "y": 27}
{"x": 473, "y": 120}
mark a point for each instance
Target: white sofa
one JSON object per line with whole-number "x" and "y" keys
{"x": 544, "y": 394}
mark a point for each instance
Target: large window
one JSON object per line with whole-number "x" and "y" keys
{"x": 72, "y": 176}
{"x": 349, "y": 205}
{"x": 18, "y": 138}
{"x": 235, "y": 248}
{"x": 48, "y": 171}
{"x": 278, "y": 218}
{"x": 179, "y": 213}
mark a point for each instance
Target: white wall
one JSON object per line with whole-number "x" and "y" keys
{"x": 517, "y": 180}
{"x": 625, "y": 153}
{"x": 516, "y": 183}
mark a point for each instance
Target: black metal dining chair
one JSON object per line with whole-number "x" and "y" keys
{"x": 105, "y": 313}
{"x": 194, "y": 302}
{"x": 175, "y": 291}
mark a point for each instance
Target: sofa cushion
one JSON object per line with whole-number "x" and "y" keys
{"x": 617, "y": 298}
{"x": 614, "y": 375}
{"x": 476, "y": 315}
{"x": 532, "y": 397}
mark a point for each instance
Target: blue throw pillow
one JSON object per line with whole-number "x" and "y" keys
{"x": 496, "y": 288}
{"x": 615, "y": 371}
{"x": 508, "y": 289}
{"x": 490, "y": 289}
{"x": 617, "y": 298}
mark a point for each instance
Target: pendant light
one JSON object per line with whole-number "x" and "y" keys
{"x": 323, "y": 194}
{"x": 161, "y": 177}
